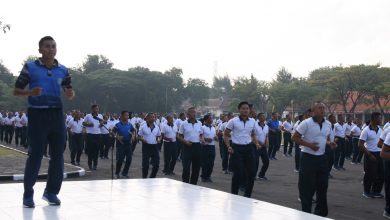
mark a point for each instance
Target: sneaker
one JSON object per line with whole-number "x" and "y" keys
{"x": 78, "y": 163}
{"x": 367, "y": 195}
{"x": 28, "y": 202}
{"x": 262, "y": 178}
{"x": 377, "y": 195}
{"x": 386, "y": 214}
{"x": 117, "y": 176}
{"x": 295, "y": 170}
{"x": 73, "y": 163}
{"x": 125, "y": 176}
{"x": 336, "y": 168}
{"x": 51, "y": 198}
{"x": 353, "y": 163}
{"x": 330, "y": 176}
{"x": 342, "y": 168}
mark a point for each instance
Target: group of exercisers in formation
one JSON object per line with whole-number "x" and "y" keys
{"x": 321, "y": 143}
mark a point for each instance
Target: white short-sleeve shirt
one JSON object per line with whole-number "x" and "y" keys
{"x": 261, "y": 132}
{"x": 149, "y": 134}
{"x": 385, "y": 133}
{"x": 95, "y": 129}
{"x": 371, "y": 138}
{"x": 312, "y": 132}
{"x": 288, "y": 126}
{"x": 387, "y": 125}
{"x": 340, "y": 129}
{"x": 241, "y": 131}
{"x": 76, "y": 126}
{"x": 169, "y": 132}
{"x": 356, "y": 131}
{"x": 209, "y": 132}
{"x": 387, "y": 140}
{"x": 191, "y": 131}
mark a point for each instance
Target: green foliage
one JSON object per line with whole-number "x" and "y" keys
{"x": 4, "y": 27}
{"x": 96, "y": 62}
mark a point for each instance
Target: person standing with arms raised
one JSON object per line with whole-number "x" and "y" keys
{"x": 46, "y": 78}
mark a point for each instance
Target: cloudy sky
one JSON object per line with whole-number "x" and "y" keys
{"x": 204, "y": 36}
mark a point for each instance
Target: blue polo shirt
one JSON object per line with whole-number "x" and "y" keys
{"x": 52, "y": 81}
{"x": 124, "y": 130}
{"x": 273, "y": 124}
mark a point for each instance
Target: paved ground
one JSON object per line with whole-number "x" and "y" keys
{"x": 344, "y": 194}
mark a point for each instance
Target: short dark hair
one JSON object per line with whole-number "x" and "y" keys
{"x": 124, "y": 112}
{"x": 206, "y": 117}
{"x": 94, "y": 106}
{"x": 182, "y": 114}
{"x": 242, "y": 103}
{"x": 273, "y": 113}
{"x": 261, "y": 113}
{"x": 375, "y": 115}
{"x": 300, "y": 117}
{"x": 43, "y": 39}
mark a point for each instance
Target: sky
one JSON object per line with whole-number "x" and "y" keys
{"x": 203, "y": 37}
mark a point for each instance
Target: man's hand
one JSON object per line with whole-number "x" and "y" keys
{"x": 314, "y": 146}
{"x": 230, "y": 150}
{"x": 332, "y": 145}
{"x": 188, "y": 143}
{"x": 37, "y": 91}
{"x": 69, "y": 93}
{"x": 208, "y": 140}
{"x": 371, "y": 157}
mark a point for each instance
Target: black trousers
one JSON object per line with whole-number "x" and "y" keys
{"x": 330, "y": 158}
{"x": 150, "y": 153}
{"x": 339, "y": 156}
{"x": 357, "y": 153}
{"x": 263, "y": 154}
{"x": 18, "y": 135}
{"x": 373, "y": 174}
{"x": 297, "y": 156}
{"x": 123, "y": 151}
{"x": 105, "y": 146}
{"x": 386, "y": 166}
{"x": 273, "y": 142}
{"x": 191, "y": 159}
{"x": 170, "y": 156}
{"x": 2, "y": 132}
{"x": 207, "y": 160}
{"x": 287, "y": 142}
{"x": 223, "y": 151}
{"x": 9, "y": 133}
{"x": 76, "y": 148}
{"x": 92, "y": 150}
{"x": 348, "y": 147}
{"x": 313, "y": 179}
{"x": 243, "y": 164}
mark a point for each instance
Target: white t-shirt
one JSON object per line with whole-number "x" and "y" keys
{"x": 348, "y": 128}
{"x": 261, "y": 132}
{"x": 356, "y": 131}
{"x": 169, "y": 132}
{"x": 76, "y": 127}
{"x": 387, "y": 139}
{"x": 340, "y": 129}
{"x": 387, "y": 125}
{"x": 385, "y": 133}
{"x": 191, "y": 132}
{"x": 95, "y": 129}
{"x": 288, "y": 126}
{"x": 312, "y": 133}
{"x": 371, "y": 138}
{"x": 209, "y": 132}
{"x": 149, "y": 134}
{"x": 241, "y": 131}
{"x": 9, "y": 121}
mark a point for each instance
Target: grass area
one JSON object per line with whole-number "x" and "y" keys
{"x": 6, "y": 152}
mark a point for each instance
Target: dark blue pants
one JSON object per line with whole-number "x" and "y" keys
{"x": 9, "y": 133}
{"x": 330, "y": 157}
{"x": 170, "y": 156}
{"x": 2, "y": 132}
{"x": 273, "y": 144}
{"x": 224, "y": 154}
{"x": 150, "y": 154}
{"x": 243, "y": 164}
{"x": 76, "y": 148}
{"x": 357, "y": 153}
{"x": 287, "y": 143}
{"x": 348, "y": 147}
{"x": 373, "y": 174}
{"x": 339, "y": 156}
{"x": 191, "y": 159}
{"x": 297, "y": 156}
{"x": 207, "y": 158}
{"x": 313, "y": 179}
{"x": 18, "y": 135}
{"x": 263, "y": 154}
{"x": 106, "y": 144}
{"x": 93, "y": 145}
{"x": 386, "y": 166}
{"x": 45, "y": 126}
{"x": 123, "y": 151}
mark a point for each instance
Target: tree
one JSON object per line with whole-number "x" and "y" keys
{"x": 30, "y": 58}
{"x": 197, "y": 90}
{"x": 283, "y": 76}
{"x": 96, "y": 62}
{"x": 4, "y": 27}
{"x": 6, "y": 76}
{"x": 222, "y": 86}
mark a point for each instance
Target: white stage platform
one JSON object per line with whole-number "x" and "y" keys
{"x": 140, "y": 199}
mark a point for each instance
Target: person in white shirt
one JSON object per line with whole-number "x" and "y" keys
{"x": 9, "y": 123}
{"x": 20, "y": 129}
{"x": 387, "y": 125}
{"x": 355, "y": 134}
{"x": 339, "y": 157}
{"x": 169, "y": 133}
{"x": 297, "y": 152}
{"x": 348, "y": 138}
{"x": 313, "y": 134}
{"x": 75, "y": 128}
{"x": 261, "y": 132}
{"x": 105, "y": 138}
{"x": 385, "y": 155}
{"x": 329, "y": 150}
{"x": 149, "y": 133}
{"x": 179, "y": 122}
{"x": 2, "y": 126}
{"x": 190, "y": 135}
{"x": 373, "y": 165}
{"x": 241, "y": 129}
{"x": 93, "y": 123}
{"x": 222, "y": 147}
{"x": 208, "y": 148}
{"x": 287, "y": 128}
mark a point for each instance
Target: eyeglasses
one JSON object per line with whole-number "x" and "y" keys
{"x": 49, "y": 73}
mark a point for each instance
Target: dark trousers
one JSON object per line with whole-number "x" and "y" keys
{"x": 330, "y": 158}
{"x": 45, "y": 126}
{"x": 92, "y": 150}
{"x": 105, "y": 145}
{"x": 9, "y": 133}
{"x": 18, "y": 135}
{"x": 339, "y": 156}
{"x": 263, "y": 154}
{"x": 76, "y": 148}
{"x": 223, "y": 151}
{"x": 297, "y": 156}
{"x": 386, "y": 166}
{"x": 348, "y": 147}
{"x": 150, "y": 154}
{"x": 207, "y": 160}
{"x": 179, "y": 150}
{"x": 357, "y": 153}
{"x": 170, "y": 156}
{"x": 287, "y": 142}
{"x": 313, "y": 179}
{"x": 373, "y": 174}
{"x": 191, "y": 159}
{"x": 123, "y": 150}
{"x": 273, "y": 144}
{"x": 243, "y": 169}
{"x": 2, "y": 132}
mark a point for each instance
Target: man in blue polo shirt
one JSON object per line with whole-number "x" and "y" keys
{"x": 274, "y": 133}
{"x": 125, "y": 134}
{"x": 46, "y": 78}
